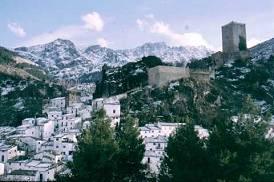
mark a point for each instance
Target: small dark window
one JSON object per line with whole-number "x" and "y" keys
{"x": 3, "y": 158}
{"x": 114, "y": 111}
{"x": 41, "y": 177}
{"x": 148, "y": 160}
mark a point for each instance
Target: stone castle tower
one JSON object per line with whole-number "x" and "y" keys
{"x": 234, "y": 37}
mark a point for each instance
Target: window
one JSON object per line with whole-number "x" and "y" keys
{"x": 70, "y": 152}
{"x": 57, "y": 146}
{"x": 148, "y": 160}
{"x": 41, "y": 177}
{"x": 3, "y": 158}
{"x": 64, "y": 146}
{"x": 114, "y": 111}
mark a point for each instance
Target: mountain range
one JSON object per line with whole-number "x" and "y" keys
{"x": 64, "y": 60}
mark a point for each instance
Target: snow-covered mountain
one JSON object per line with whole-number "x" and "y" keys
{"x": 168, "y": 54}
{"x": 263, "y": 50}
{"x": 64, "y": 60}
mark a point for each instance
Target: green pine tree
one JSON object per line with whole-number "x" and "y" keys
{"x": 94, "y": 159}
{"x": 131, "y": 151}
{"x": 235, "y": 151}
{"x": 186, "y": 158}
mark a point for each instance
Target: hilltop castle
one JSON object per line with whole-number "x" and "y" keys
{"x": 234, "y": 44}
{"x": 234, "y": 47}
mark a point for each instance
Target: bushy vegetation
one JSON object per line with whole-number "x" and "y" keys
{"x": 25, "y": 99}
{"x": 189, "y": 99}
{"x": 6, "y": 56}
{"x": 234, "y": 151}
{"x": 21, "y": 98}
{"x": 119, "y": 80}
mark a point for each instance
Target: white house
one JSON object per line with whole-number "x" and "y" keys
{"x": 85, "y": 114}
{"x": 65, "y": 143}
{"x": 113, "y": 111}
{"x": 59, "y": 102}
{"x": 38, "y": 128}
{"x": 49, "y": 156}
{"x": 158, "y": 129}
{"x": 22, "y": 175}
{"x": 54, "y": 115}
{"x": 111, "y": 106}
{"x": 27, "y": 143}
{"x": 69, "y": 123}
{"x": 155, "y": 139}
{"x": 75, "y": 109}
{"x": 7, "y": 152}
{"x": 155, "y": 148}
{"x": 43, "y": 171}
{"x": 2, "y": 168}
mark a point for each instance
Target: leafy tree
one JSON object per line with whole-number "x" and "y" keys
{"x": 131, "y": 152}
{"x": 95, "y": 156}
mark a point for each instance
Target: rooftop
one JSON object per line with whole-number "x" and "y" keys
{"x": 233, "y": 23}
{"x": 5, "y": 147}
{"x": 58, "y": 98}
{"x": 23, "y": 172}
{"x": 158, "y": 139}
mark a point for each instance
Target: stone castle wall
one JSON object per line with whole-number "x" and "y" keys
{"x": 202, "y": 75}
{"x": 160, "y": 76}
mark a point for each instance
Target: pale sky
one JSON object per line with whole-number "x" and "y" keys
{"x": 123, "y": 24}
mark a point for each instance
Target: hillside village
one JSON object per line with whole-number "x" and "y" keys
{"x": 40, "y": 147}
